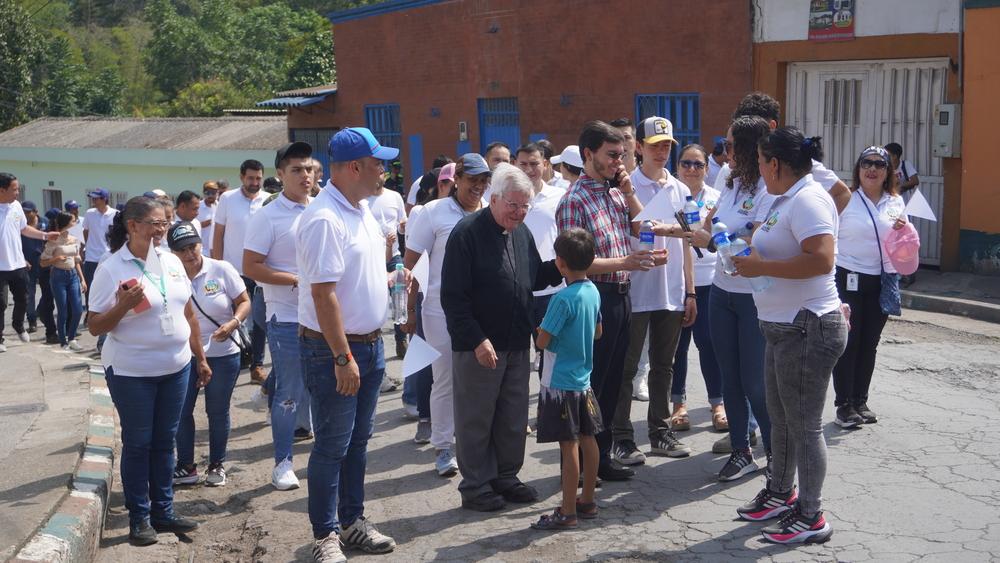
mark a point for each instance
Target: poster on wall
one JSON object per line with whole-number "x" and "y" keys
{"x": 831, "y": 20}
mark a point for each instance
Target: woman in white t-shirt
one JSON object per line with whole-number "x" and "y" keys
{"x": 221, "y": 304}
{"x": 735, "y": 328}
{"x": 875, "y": 208}
{"x": 141, "y": 299}
{"x": 692, "y": 170}
{"x": 805, "y": 329}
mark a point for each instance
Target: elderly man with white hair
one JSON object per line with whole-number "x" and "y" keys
{"x": 491, "y": 266}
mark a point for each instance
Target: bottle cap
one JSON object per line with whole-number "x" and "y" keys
{"x": 399, "y": 267}
{"x": 715, "y": 220}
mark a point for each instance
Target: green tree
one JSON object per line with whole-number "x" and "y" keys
{"x": 20, "y": 50}
{"x": 177, "y": 50}
{"x": 315, "y": 64}
{"x": 105, "y": 93}
{"x": 62, "y": 80}
{"x": 207, "y": 99}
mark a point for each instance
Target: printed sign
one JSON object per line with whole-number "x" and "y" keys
{"x": 831, "y": 20}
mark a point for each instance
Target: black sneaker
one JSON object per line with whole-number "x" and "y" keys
{"x": 51, "y": 339}
{"x": 866, "y": 413}
{"x": 612, "y": 470}
{"x": 141, "y": 533}
{"x": 796, "y": 528}
{"x": 186, "y": 474}
{"x": 32, "y": 327}
{"x": 768, "y": 504}
{"x": 847, "y": 417}
{"x": 301, "y": 435}
{"x": 667, "y": 444}
{"x": 627, "y": 454}
{"x": 174, "y": 524}
{"x": 740, "y": 463}
{"x": 484, "y": 502}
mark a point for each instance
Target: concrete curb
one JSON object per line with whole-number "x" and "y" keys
{"x": 73, "y": 531}
{"x": 951, "y": 306}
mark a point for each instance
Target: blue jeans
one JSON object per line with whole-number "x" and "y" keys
{"x": 218, "y": 394}
{"x": 290, "y": 406}
{"x": 258, "y": 322}
{"x": 417, "y": 387}
{"x": 65, "y": 286}
{"x": 706, "y": 354}
{"x": 343, "y": 426}
{"x": 149, "y": 409}
{"x": 739, "y": 349}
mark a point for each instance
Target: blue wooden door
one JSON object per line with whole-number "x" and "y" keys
{"x": 499, "y": 120}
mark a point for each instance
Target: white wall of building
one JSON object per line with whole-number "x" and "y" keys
{"x": 788, "y": 20}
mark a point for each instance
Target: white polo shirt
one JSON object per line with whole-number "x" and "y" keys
{"x": 340, "y": 243}
{"x": 541, "y": 221}
{"x": 735, "y": 208}
{"x": 804, "y": 211}
{"x": 97, "y": 225}
{"x": 704, "y": 267}
{"x": 137, "y": 347}
{"x": 661, "y": 288}
{"x": 205, "y": 213}
{"x": 215, "y": 287}
{"x": 857, "y": 247}
{"x": 12, "y": 222}
{"x": 390, "y": 212}
{"x": 271, "y": 233}
{"x": 233, "y": 212}
{"x": 429, "y": 233}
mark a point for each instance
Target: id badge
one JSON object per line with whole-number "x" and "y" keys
{"x": 852, "y": 281}
{"x": 166, "y": 324}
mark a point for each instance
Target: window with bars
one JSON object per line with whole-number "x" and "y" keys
{"x": 499, "y": 120}
{"x": 683, "y": 112}
{"x": 383, "y": 121}
{"x": 118, "y": 198}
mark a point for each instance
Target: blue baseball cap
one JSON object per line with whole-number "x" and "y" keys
{"x": 474, "y": 164}
{"x": 71, "y": 204}
{"x": 100, "y": 193}
{"x": 29, "y": 206}
{"x": 51, "y": 214}
{"x": 354, "y": 143}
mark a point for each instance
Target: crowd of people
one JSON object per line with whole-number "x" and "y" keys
{"x": 530, "y": 252}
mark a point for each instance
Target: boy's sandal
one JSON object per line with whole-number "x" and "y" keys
{"x": 586, "y": 510}
{"x": 680, "y": 420}
{"x": 555, "y": 521}
{"x": 719, "y": 421}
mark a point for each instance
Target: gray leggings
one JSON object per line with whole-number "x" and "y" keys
{"x": 798, "y": 360}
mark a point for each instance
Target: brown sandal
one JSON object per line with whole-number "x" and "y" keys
{"x": 680, "y": 420}
{"x": 719, "y": 420}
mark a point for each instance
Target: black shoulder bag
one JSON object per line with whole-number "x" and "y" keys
{"x": 238, "y": 336}
{"x": 888, "y": 298}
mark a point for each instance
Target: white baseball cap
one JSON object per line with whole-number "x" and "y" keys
{"x": 652, "y": 130}
{"x": 570, "y": 155}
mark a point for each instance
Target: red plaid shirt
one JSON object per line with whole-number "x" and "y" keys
{"x": 602, "y": 212}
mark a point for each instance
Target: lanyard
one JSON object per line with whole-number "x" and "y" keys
{"x": 162, "y": 285}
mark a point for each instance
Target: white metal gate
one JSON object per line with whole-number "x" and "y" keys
{"x": 854, "y": 104}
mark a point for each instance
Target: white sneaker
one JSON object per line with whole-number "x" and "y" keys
{"x": 64, "y": 347}
{"x": 410, "y": 411}
{"x": 75, "y": 346}
{"x": 640, "y": 386}
{"x": 259, "y": 400}
{"x": 283, "y": 476}
{"x": 24, "y": 336}
{"x": 327, "y": 550}
{"x": 388, "y": 384}
{"x": 3, "y": 347}
{"x": 446, "y": 464}
{"x": 363, "y": 535}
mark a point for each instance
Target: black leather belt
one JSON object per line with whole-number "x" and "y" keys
{"x": 363, "y": 338}
{"x": 621, "y": 288}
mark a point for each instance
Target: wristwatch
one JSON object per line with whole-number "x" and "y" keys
{"x": 691, "y": 295}
{"x": 343, "y": 359}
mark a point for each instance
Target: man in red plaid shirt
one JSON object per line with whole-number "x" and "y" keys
{"x": 603, "y": 202}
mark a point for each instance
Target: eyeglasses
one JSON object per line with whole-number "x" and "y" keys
{"x": 689, "y": 164}
{"x": 877, "y": 164}
{"x": 616, "y": 155}
{"x": 156, "y": 224}
{"x": 516, "y": 206}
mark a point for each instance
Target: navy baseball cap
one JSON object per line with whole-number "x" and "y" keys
{"x": 51, "y": 214}
{"x": 297, "y": 149}
{"x": 100, "y": 193}
{"x": 29, "y": 206}
{"x": 355, "y": 143}
{"x": 474, "y": 164}
{"x": 71, "y": 204}
{"x": 182, "y": 235}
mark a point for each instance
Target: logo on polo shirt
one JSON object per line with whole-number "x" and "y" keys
{"x": 212, "y": 287}
{"x": 772, "y": 219}
{"x": 174, "y": 273}
{"x": 746, "y": 207}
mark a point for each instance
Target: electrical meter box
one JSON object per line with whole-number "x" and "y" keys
{"x": 946, "y": 132}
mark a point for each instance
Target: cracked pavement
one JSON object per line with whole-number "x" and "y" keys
{"x": 921, "y": 485}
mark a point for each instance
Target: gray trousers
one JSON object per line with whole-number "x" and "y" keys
{"x": 491, "y": 415}
{"x": 664, "y": 332}
{"x": 798, "y": 361}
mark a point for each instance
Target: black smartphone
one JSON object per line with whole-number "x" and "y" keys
{"x": 616, "y": 181}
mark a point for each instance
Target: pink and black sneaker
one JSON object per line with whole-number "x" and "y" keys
{"x": 768, "y": 504}
{"x": 796, "y": 528}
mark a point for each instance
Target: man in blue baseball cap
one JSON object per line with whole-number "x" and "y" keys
{"x": 343, "y": 303}
{"x": 73, "y": 208}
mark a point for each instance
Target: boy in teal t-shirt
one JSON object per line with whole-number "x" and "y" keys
{"x": 567, "y": 408}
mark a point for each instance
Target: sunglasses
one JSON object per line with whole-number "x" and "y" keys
{"x": 877, "y": 164}
{"x": 689, "y": 164}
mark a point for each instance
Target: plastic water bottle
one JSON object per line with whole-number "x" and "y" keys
{"x": 646, "y": 237}
{"x": 746, "y": 230}
{"x": 739, "y": 247}
{"x": 725, "y": 249}
{"x": 719, "y": 232}
{"x": 399, "y": 296}
{"x": 692, "y": 213}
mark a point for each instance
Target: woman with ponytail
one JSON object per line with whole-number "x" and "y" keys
{"x": 141, "y": 299}
{"x": 806, "y": 332}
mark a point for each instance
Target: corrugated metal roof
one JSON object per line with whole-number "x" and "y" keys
{"x": 310, "y": 91}
{"x": 179, "y": 133}
{"x": 291, "y": 101}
